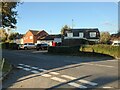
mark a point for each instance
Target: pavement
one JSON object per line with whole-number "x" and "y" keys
{"x": 37, "y": 69}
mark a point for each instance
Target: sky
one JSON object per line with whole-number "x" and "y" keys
{"x": 52, "y": 16}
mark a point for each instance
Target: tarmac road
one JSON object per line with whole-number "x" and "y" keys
{"x": 35, "y": 69}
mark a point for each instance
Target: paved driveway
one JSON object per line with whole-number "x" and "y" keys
{"x": 36, "y": 69}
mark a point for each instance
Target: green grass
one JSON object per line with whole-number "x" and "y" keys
{"x": 6, "y": 66}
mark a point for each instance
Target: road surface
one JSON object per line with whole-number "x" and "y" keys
{"x": 36, "y": 69}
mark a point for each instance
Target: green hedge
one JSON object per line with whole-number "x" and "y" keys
{"x": 64, "y": 49}
{"x": 103, "y": 49}
{"x": 7, "y": 45}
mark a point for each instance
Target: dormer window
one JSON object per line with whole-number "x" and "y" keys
{"x": 69, "y": 34}
{"x": 92, "y": 34}
{"x": 81, "y": 34}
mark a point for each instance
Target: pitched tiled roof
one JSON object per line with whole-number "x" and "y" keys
{"x": 34, "y": 32}
{"x": 49, "y": 37}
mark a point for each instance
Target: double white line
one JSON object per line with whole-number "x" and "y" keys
{"x": 27, "y": 68}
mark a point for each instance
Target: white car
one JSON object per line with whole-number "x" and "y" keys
{"x": 116, "y": 43}
{"x": 29, "y": 46}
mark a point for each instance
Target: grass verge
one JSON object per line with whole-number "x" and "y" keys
{"x": 6, "y": 67}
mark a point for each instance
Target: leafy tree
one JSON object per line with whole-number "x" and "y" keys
{"x": 66, "y": 27}
{"x": 9, "y": 14}
{"x": 104, "y": 37}
{"x": 3, "y": 35}
{"x": 12, "y": 36}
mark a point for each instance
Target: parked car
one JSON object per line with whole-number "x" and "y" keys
{"x": 19, "y": 46}
{"x": 28, "y": 46}
{"x": 42, "y": 46}
{"x": 116, "y": 43}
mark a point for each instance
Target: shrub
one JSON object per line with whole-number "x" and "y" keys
{"x": 103, "y": 49}
{"x": 7, "y": 45}
{"x": 13, "y": 46}
{"x": 64, "y": 49}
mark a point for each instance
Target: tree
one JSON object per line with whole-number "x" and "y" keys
{"x": 66, "y": 27}
{"x": 9, "y": 14}
{"x": 3, "y": 35}
{"x": 104, "y": 37}
{"x": 12, "y": 36}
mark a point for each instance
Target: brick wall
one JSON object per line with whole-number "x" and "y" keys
{"x": 27, "y": 39}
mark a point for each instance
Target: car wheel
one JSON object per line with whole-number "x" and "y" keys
{"x": 25, "y": 48}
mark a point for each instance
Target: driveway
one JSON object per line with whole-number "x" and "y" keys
{"x": 37, "y": 69}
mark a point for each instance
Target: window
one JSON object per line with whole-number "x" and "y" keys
{"x": 69, "y": 34}
{"x": 92, "y": 34}
{"x": 81, "y": 34}
{"x": 31, "y": 37}
{"x": 75, "y": 34}
{"x": 31, "y": 43}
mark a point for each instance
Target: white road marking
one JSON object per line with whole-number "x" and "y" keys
{"x": 19, "y": 67}
{"x": 42, "y": 69}
{"x": 58, "y": 79}
{"x": 76, "y": 85}
{"x": 99, "y": 65}
{"x": 54, "y": 73}
{"x": 93, "y": 64}
{"x": 26, "y": 65}
{"x": 107, "y": 87}
{"x": 34, "y": 67}
{"x": 68, "y": 77}
{"x": 46, "y": 75}
{"x": 113, "y": 60}
{"x": 26, "y": 69}
{"x": 82, "y": 81}
{"x": 35, "y": 72}
{"x": 87, "y": 82}
{"x": 21, "y": 64}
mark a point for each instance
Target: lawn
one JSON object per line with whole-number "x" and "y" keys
{"x": 6, "y": 66}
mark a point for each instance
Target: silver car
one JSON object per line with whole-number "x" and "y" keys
{"x": 29, "y": 46}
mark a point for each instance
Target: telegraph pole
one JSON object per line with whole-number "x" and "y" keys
{"x": 72, "y": 23}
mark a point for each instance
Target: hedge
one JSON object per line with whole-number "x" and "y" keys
{"x": 64, "y": 49}
{"x": 7, "y": 45}
{"x": 103, "y": 49}
{"x": 87, "y": 50}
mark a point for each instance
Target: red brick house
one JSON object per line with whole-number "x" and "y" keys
{"x": 32, "y": 35}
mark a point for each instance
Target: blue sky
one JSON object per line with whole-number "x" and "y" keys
{"x": 51, "y": 16}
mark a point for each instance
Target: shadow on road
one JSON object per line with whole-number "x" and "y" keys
{"x": 50, "y": 63}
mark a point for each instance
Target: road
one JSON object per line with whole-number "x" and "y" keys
{"x": 37, "y": 69}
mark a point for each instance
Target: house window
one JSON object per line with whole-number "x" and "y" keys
{"x": 81, "y": 34}
{"x": 76, "y": 34}
{"x": 69, "y": 34}
{"x": 31, "y": 37}
{"x": 92, "y": 34}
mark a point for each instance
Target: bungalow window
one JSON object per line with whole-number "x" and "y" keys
{"x": 31, "y": 37}
{"x": 92, "y": 34}
{"x": 69, "y": 34}
{"x": 81, "y": 34}
{"x": 76, "y": 34}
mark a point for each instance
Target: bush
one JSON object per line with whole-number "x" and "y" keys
{"x": 64, "y": 49}
{"x": 13, "y": 46}
{"x": 7, "y": 45}
{"x": 103, "y": 49}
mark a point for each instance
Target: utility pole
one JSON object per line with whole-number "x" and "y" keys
{"x": 72, "y": 23}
